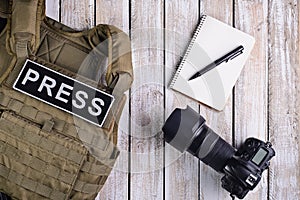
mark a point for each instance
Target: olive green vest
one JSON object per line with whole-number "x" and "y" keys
{"x": 46, "y": 153}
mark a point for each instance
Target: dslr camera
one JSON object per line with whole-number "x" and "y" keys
{"x": 242, "y": 168}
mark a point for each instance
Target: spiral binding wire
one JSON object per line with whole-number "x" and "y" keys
{"x": 202, "y": 20}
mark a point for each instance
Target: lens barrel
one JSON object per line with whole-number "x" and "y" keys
{"x": 212, "y": 149}
{"x": 185, "y": 130}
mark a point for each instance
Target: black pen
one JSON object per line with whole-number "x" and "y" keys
{"x": 229, "y": 56}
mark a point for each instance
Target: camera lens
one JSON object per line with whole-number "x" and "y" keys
{"x": 186, "y": 131}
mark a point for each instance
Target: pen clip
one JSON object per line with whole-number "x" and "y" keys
{"x": 235, "y": 55}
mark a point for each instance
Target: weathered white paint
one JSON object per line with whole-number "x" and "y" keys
{"x": 52, "y": 9}
{"x": 284, "y": 98}
{"x": 147, "y": 96}
{"x": 267, "y": 96}
{"x": 117, "y": 184}
{"x": 220, "y": 122}
{"x": 182, "y": 171}
{"x": 251, "y": 96}
{"x": 77, "y": 14}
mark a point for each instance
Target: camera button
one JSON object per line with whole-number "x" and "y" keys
{"x": 251, "y": 180}
{"x": 246, "y": 156}
{"x": 250, "y": 144}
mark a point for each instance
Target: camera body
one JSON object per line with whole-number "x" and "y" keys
{"x": 186, "y": 130}
{"x": 244, "y": 170}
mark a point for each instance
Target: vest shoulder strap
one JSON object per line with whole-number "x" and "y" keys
{"x": 24, "y": 26}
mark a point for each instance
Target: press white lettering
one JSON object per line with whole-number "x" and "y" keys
{"x": 28, "y": 77}
{"x": 80, "y": 99}
{"x": 46, "y": 85}
{"x": 62, "y": 91}
{"x": 96, "y": 106}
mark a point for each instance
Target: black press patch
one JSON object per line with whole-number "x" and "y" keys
{"x": 64, "y": 92}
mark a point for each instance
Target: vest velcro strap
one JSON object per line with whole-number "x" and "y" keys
{"x": 4, "y": 100}
{"x": 21, "y": 48}
{"x": 48, "y": 126}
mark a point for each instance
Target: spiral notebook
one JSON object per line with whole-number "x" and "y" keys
{"x": 211, "y": 40}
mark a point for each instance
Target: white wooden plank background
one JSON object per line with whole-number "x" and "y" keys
{"x": 220, "y": 122}
{"x": 180, "y": 22}
{"x": 265, "y": 102}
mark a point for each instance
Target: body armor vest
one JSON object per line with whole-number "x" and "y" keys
{"x": 45, "y": 152}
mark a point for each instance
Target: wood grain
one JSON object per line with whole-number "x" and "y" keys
{"x": 220, "y": 122}
{"x": 79, "y": 15}
{"x": 147, "y": 95}
{"x": 284, "y": 98}
{"x": 266, "y": 98}
{"x": 114, "y": 12}
{"x": 117, "y": 183}
{"x": 250, "y": 96}
{"x": 182, "y": 170}
{"x": 53, "y": 9}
